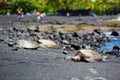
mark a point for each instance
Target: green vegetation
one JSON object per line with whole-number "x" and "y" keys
{"x": 98, "y": 6}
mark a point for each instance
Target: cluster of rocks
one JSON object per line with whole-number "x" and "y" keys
{"x": 66, "y": 41}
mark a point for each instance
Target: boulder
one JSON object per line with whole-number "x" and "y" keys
{"x": 114, "y": 33}
{"x": 75, "y": 46}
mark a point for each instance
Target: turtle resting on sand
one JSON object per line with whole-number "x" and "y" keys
{"x": 33, "y": 44}
{"x": 86, "y": 55}
{"x": 48, "y": 43}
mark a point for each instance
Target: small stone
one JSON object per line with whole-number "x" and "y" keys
{"x": 114, "y": 33}
{"x": 1, "y": 39}
{"x": 68, "y": 57}
{"x": 65, "y": 42}
{"x": 104, "y": 58}
{"x": 65, "y": 52}
{"x": 51, "y": 36}
{"x": 75, "y": 34}
{"x": 11, "y": 44}
{"x": 75, "y": 46}
{"x": 98, "y": 31}
{"x": 31, "y": 28}
{"x": 93, "y": 71}
{"x": 74, "y": 78}
{"x": 15, "y": 49}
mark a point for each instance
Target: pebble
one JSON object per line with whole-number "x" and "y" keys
{"x": 74, "y": 78}
{"x": 93, "y": 71}
{"x": 68, "y": 57}
{"x": 104, "y": 58}
{"x": 65, "y": 52}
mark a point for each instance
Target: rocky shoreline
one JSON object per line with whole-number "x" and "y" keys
{"x": 69, "y": 33}
{"x": 78, "y": 33}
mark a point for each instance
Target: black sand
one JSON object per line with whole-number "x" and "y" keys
{"x": 49, "y": 64}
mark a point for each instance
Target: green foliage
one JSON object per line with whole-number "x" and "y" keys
{"x": 27, "y": 6}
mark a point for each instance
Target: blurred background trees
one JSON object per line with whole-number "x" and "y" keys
{"x": 99, "y": 7}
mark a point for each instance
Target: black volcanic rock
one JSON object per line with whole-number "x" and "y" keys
{"x": 114, "y": 33}
{"x": 75, "y": 46}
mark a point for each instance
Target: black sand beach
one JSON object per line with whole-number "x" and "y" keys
{"x": 48, "y": 63}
